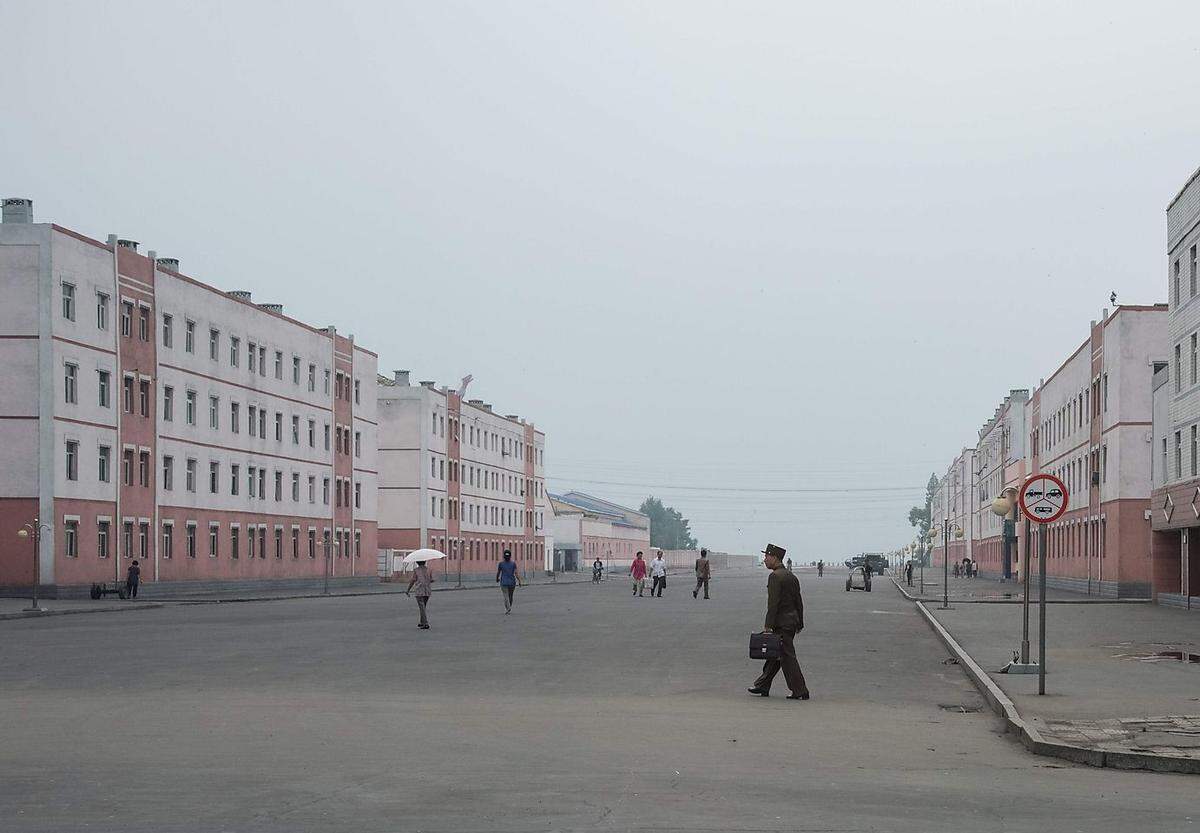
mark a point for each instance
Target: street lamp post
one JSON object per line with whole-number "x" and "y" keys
{"x": 1007, "y": 503}
{"x": 958, "y": 533}
{"x": 34, "y": 530}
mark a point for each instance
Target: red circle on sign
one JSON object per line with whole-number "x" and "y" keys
{"x": 1034, "y": 510}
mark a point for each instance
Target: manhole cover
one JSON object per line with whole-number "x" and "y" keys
{"x": 959, "y": 708}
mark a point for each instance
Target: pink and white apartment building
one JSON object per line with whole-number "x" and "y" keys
{"x": 588, "y": 527}
{"x": 459, "y": 478}
{"x": 1090, "y": 424}
{"x": 150, "y": 416}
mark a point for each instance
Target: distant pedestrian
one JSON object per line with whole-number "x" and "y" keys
{"x": 658, "y": 575}
{"x": 703, "y": 571}
{"x": 789, "y": 564}
{"x": 597, "y": 570}
{"x": 820, "y": 569}
{"x": 423, "y": 580}
{"x": 638, "y": 571}
{"x": 507, "y": 578}
{"x": 132, "y": 579}
{"x": 867, "y": 570}
{"x": 908, "y": 568}
{"x": 785, "y": 616}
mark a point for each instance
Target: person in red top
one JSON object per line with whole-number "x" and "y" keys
{"x": 638, "y": 571}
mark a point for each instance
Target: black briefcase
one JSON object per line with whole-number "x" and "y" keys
{"x": 765, "y": 646}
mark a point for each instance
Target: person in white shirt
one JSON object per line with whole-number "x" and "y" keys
{"x": 658, "y": 575}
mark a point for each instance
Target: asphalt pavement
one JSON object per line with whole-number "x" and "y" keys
{"x": 586, "y": 709}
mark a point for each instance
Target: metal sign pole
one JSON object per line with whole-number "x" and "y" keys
{"x": 946, "y": 564}
{"x": 1042, "y": 609}
{"x": 1025, "y": 601}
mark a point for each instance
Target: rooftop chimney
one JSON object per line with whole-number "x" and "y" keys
{"x": 168, "y": 263}
{"x": 486, "y": 407}
{"x": 128, "y": 244}
{"x": 401, "y": 377}
{"x": 276, "y": 308}
{"x": 475, "y": 401}
{"x": 511, "y": 416}
{"x": 18, "y": 210}
{"x": 240, "y": 294}
{"x": 428, "y": 384}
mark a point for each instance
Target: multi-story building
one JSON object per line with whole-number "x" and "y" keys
{"x": 953, "y": 501}
{"x": 149, "y": 416}
{"x": 1090, "y": 425}
{"x": 1175, "y": 517}
{"x": 1000, "y": 464}
{"x": 587, "y": 528}
{"x": 456, "y": 477}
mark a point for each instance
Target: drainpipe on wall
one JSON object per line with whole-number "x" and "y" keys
{"x": 155, "y": 471}
{"x": 118, "y": 392}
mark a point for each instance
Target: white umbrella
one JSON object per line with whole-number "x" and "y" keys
{"x": 423, "y": 555}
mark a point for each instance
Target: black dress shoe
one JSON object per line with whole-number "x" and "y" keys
{"x": 803, "y": 696}
{"x": 759, "y": 692}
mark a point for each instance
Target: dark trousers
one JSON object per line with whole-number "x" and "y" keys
{"x": 658, "y": 583}
{"x": 131, "y": 588}
{"x": 701, "y": 581}
{"x": 421, "y": 602}
{"x": 508, "y": 596}
{"x": 790, "y": 665}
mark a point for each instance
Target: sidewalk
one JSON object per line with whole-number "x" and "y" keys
{"x": 16, "y": 608}
{"x": 1114, "y": 686}
{"x": 992, "y": 591}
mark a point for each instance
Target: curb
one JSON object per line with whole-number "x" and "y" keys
{"x": 1029, "y": 735}
{"x": 359, "y": 594}
{"x": 122, "y": 609}
{"x": 1097, "y": 601}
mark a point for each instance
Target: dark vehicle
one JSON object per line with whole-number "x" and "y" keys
{"x": 1033, "y": 493}
{"x": 1044, "y": 510}
{"x": 1054, "y": 493}
{"x": 877, "y": 560}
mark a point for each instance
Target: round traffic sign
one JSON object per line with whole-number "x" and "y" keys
{"x": 1043, "y": 498}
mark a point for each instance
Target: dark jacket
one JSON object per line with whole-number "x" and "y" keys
{"x": 785, "y": 608}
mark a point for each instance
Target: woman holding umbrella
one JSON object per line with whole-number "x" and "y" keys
{"x": 422, "y": 579}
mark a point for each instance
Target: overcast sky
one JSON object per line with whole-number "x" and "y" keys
{"x": 726, "y": 247}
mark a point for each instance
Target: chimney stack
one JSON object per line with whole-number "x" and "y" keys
{"x": 128, "y": 244}
{"x": 18, "y": 210}
{"x": 171, "y": 264}
{"x": 401, "y": 377}
{"x": 427, "y": 384}
{"x": 276, "y": 308}
{"x": 240, "y": 294}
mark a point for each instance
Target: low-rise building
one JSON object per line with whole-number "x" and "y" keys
{"x": 1175, "y": 503}
{"x": 1090, "y": 425}
{"x": 457, "y": 477}
{"x": 588, "y": 527}
{"x": 149, "y": 416}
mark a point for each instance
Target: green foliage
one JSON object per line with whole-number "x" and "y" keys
{"x": 920, "y": 517}
{"x": 668, "y": 529}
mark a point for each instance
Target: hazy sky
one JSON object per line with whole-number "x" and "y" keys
{"x": 724, "y": 246}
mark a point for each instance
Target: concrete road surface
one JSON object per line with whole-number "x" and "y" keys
{"x": 586, "y": 709}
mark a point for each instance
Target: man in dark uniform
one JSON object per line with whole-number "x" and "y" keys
{"x": 703, "y": 573}
{"x": 785, "y": 616}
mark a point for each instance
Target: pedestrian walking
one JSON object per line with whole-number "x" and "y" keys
{"x": 908, "y": 568}
{"x": 133, "y": 577}
{"x": 422, "y": 579}
{"x": 658, "y": 574}
{"x": 820, "y": 569}
{"x": 785, "y": 616}
{"x": 638, "y": 571}
{"x": 703, "y": 571}
{"x": 507, "y": 578}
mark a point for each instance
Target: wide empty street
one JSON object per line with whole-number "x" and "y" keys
{"x": 586, "y": 709}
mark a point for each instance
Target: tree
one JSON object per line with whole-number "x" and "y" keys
{"x": 668, "y": 529}
{"x": 921, "y": 517}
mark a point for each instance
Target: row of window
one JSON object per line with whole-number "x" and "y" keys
{"x": 1077, "y": 412}
{"x": 441, "y": 508}
{"x": 256, "y": 354}
{"x": 1193, "y": 464}
{"x": 1193, "y": 360}
{"x": 1191, "y": 276}
{"x": 500, "y": 481}
{"x": 256, "y": 476}
{"x": 479, "y": 438}
{"x": 475, "y": 549}
{"x": 256, "y": 421}
{"x": 135, "y": 540}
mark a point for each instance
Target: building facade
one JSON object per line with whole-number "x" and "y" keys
{"x": 150, "y": 416}
{"x": 458, "y": 478}
{"x": 953, "y": 501}
{"x": 596, "y": 528}
{"x": 1091, "y": 426}
{"x": 1001, "y": 463}
{"x": 1175, "y": 516}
